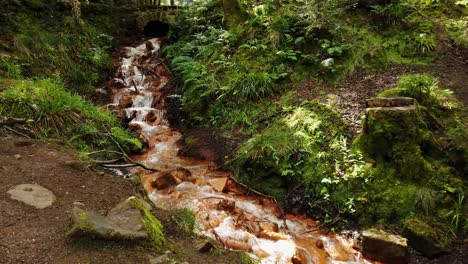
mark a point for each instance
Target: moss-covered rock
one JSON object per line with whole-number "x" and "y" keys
{"x": 89, "y": 223}
{"x": 394, "y": 134}
{"x": 129, "y": 220}
{"x": 425, "y": 239}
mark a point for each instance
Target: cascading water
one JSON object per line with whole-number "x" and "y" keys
{"x": 252, "y": 223}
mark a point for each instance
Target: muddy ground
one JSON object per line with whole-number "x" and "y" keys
{"x": 30, "y": 235}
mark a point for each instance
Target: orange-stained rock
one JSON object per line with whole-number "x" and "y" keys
{"x": 272, "y": 236}
{"x": 237, "y": 245}
{"x": 261, "y": 253}
{"x": 164, "y": 180}
{"x": 319, "y": 244}
{"x": 269, "y": 226}
{"x": 181, "y": 174}
{"x": 226, "y": 205}
{"x": 219, "y": 184}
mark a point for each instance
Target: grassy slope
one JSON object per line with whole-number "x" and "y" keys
{"x": 238, "y": 79}
{"x": 49, "y": 64}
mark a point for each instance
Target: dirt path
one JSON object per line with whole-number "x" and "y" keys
{"x": 30, "y": 235}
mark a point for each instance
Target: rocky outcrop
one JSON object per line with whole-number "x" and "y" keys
{"x": 129, "y": 220}
{"x": 385, "y": 247}
{"x": 425, "y": 239}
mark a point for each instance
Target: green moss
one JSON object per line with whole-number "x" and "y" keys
{"x": 426, "y": 239}
{"x": 394, "y": 92}
{"x": 152, "y": 225}
{"x": 396, "y": 136}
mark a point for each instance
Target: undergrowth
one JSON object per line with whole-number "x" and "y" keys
{"x": 238, "y": 78}
{"x": 57, "y": 113}
{"x": 49, "y": 63}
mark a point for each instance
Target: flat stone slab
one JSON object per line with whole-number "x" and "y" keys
{"x": 33, "y": 195}
{"x": 390, "y": 102}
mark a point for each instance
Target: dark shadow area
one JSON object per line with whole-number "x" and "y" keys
{"x": 156, "y": 28}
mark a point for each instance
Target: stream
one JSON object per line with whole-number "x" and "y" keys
{"x": 224, "y": 211}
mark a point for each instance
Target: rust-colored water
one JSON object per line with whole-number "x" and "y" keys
{"x": 223, "y": 210}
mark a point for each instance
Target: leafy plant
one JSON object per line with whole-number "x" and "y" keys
{"x": 456, "y": 214}
{"x": 58, "y": 113}
{"x": 425, "y": 89}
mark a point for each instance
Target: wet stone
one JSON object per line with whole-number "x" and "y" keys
{"x": 382, "y": 246}
{"x": 33, "y": 195}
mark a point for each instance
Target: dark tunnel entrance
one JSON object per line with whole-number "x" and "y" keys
{"x": 156, "y": 29}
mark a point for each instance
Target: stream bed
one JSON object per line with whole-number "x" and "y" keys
{"x": 224, "y": 210}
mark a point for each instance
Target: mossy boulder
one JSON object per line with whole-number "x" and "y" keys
{"x": 130, "y": 220}
{"x": 424, "y": 238}
{"x": 394, "y": 135}
{"x": 382, "y": 246}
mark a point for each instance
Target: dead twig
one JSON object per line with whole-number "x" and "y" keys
{"x": 312, "y": 230}
{"x": 125, "y": 154}
{"x": 118, "y": 165}
{"x": 134, "y": 85}
{"x": 16, "y": 132}
{"x": 100, "y": 162}
{"x": 104, "y": 150}
{"x": 13, "y": 121}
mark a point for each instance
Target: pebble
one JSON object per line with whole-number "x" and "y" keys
{"x": 78, "y": 203}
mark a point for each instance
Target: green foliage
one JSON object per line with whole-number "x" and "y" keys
{"x": 185, "y": 220}
{"x": 457, "y": 215}
{"x": 9, "y": 68}
{"x": 325, "y": 13}
{"x": 425, "y": 199}
{"x": 457, "y": 29}
{"x": 237, "y": 79}
{"x": 297, "y": 148}
{"x": 44, "y": 42}
{"x": 425, "y": 89}
{"x": 58, "y": 113}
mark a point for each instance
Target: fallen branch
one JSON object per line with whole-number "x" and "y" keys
{"x": 16, "y": 132}
{"x": 118, "y": 165}
{"x": 312, "y": 230}
{"x": 135, "y": 163}
{"x": 217, "y": 236}
{"x": 105, "y": 150}
{"x": 134, "y": 85}
{"x": 101, "y": 162}
{"x": 14, "y": 121}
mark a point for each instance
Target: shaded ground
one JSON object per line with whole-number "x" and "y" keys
{"x": 29, "y": 235}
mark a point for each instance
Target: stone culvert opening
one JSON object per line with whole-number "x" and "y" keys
{"x": 156, "y": 29}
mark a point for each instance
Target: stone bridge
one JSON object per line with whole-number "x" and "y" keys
{"x": 152, "y": 15}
